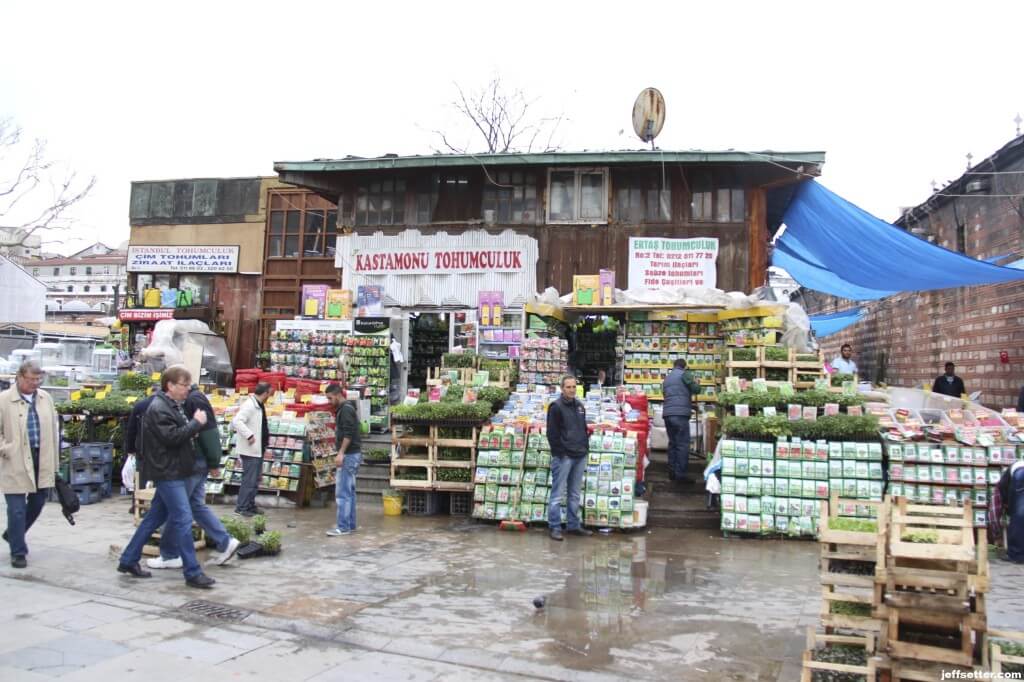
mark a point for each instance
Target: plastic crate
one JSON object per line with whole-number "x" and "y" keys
{"x": 421, "y": 502}
{"x": 88, "y": 494}
{"x": 460, "y": 504}
{"x": 81, "y": 476}
{"x": 106, "y": 488}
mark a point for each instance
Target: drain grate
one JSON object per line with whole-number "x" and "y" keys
{"x": 221, "y": 612}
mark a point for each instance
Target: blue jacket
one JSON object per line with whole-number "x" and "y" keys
{"x": 677, "y": 390}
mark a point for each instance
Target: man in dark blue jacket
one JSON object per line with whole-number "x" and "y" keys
{"x": 569, "y": 440}
{"x": 678, "y": 390}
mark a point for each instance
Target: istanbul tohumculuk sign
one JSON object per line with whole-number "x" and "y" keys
{"x": 182, "y": 259}
{"x": 656, "y": 262}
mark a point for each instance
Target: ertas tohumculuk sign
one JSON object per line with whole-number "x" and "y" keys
{"x": 182, "y": 259}
{"x": 656, "y": 262}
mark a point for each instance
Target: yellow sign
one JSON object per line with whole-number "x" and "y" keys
{"x": 243, "y": 390}
{"x": 323, "y": 388}
{"x": 76, "y": 395}
{"x": 307, "y": 398}
{"x": 155, "y": 376}
{"x": 290, "y": 392}
{"x": 101, "y": 395}
{"x": 149, "y": 391}
{"x": 130, "y": 399}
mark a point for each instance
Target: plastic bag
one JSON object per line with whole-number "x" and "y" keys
{"x": 128, "y": 473}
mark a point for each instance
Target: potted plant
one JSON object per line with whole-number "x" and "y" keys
{"x": 259, "y": 524}
{"x": 271, "y": 542}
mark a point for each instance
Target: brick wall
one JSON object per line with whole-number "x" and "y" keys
{"x": 906, "y": 339}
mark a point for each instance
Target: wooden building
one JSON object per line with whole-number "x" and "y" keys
{"x": 581, "y": 208}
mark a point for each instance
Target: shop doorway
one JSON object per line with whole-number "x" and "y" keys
{"x": 595, "y": 349}
{"x": 428, "y": 341}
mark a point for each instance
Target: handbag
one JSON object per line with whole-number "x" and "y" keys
{"x": 68, "y": 499}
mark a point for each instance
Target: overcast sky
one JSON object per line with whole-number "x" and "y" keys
{"x": 896, "y": 93}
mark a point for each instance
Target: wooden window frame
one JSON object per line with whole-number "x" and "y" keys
{"x": 642, "y": 181}
{"x": 397, "y": 197}
{"x": 579, "y": 171}
{"x": 502, "y": 193}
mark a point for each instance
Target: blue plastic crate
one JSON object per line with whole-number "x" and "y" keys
{"x": 106, "y": 488}
{"x": 81, "y": 476}
{"x": 87, "y": 494}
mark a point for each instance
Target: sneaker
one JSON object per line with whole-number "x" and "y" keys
{"x": 201, "y": 581}
{"x": 19, "y": 562}
{"x": 246, "y": 513}
{"x": 337, "y": 532}
{"x": 227, "y": 554}
{"x": 159, "y": 562}
{"x": 556, "y": 534}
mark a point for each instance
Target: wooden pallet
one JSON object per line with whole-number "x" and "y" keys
{"x": 960, "y": 628}
{"x": 432, "y": 442}
{"x": 993, "y": 657}
{"x": 809, "y": 665}
{"x": 905, "y": 670}
{"x": 830, "y": 510}
{"x": 953, "y": 526}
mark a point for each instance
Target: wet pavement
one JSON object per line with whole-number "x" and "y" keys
{"x": 440, "y": 598}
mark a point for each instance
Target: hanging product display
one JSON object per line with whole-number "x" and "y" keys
{"x": 544, "y": 361}
{"x": 651, "y": 347}
{"x": 366, "y": 355}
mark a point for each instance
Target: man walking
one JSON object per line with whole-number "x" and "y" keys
{"x": 569, "y": 440}
{"x": 29, "y": 445}
{"x": 169, "y": 451}
{"x": 949, "y": 383}
{"x": 207, "y": 463}
{"x": 251, "y": 445}
{"x": 349, "y": 440}
{"x": 678, "y": 390}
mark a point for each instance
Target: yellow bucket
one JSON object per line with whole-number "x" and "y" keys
{"x": 392, "y": 505}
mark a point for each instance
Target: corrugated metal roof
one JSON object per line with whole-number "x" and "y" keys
{"x": 584, "y": 158}
{"x": 456, "y": 290}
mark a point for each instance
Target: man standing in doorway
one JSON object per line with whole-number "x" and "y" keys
{"x": 251, "y": 445}
{"x": 678, "y": 390}
{"x": 29, "y": 445}
{"x": 843, "y": 363}
{"x": 949, "y": 383}
{"x": 349, "y": 440}
{"x": 569, "y": 440}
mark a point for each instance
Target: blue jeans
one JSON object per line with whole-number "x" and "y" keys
{"x": 566, "y": 472}
{"x": 22, "y": 511}
{"x": 1015, "y": 531}
{"x": 170, "y": 504}
{"x": 203, "y": 515}
{"x": 345, "y": 490}
{"x": 678, "y": 429}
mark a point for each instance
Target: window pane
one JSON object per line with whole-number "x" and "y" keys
{"x": 274, "y": 247}
{"x": 739, "y": 209}
{"x": 722, "y": 205}
{"x": 311, "y": 245}
{"x": 291, "y": 246}
{"x": 292, "y": 222}
{"x": 276, "y": 222}
{"x": 314, "y": 222}
{"x": 563, "y": 188}
{"x": 200, "y": 286}
{"x": 332, "y": 241}
{"x": 592, "y": 196}
{"x": 700, "y": 208}
{"x": 622, "y": 204}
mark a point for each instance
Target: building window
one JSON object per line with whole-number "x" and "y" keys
{"x": 381, "y": 203}
{"x": 35, "y": 272}
{"x": 74, "y": 270}
{"x": 331, "y": 241}
{"x": 88, "y": 269}
{"x": 106, "y": 269}
{"x": 284, "y": 234}
{"x": 513, "y": 199}
{"x": 578, "y": 195}
{"x": 642, "y": 197}
{"x": 103, "y": 288}
{"x": 71, "y": 289}
{"x": 86, "y": 288}
{"x": 710, "y": 202}
{"x": 310, "y": 223}
{"x": 313, "y": 234}
{"x": 56, "y": 272}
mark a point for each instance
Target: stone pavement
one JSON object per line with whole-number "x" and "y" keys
{"x": 423, "y": 599}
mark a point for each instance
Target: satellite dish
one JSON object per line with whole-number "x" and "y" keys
{"x": 649, "y": 115}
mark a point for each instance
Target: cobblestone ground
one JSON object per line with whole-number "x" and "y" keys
{"x": 423, "y": 599}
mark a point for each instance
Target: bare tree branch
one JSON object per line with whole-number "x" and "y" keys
{"x": 504, "y": 119}
{"x": 31, "y": 176}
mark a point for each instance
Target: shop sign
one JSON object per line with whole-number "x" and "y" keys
{"x": 655, "y": 262}
{"x": 444, "y": 261}
{"x": 182, "y": 259}
{"x": 371, "y": 325}
{"x": 145, "y": 314}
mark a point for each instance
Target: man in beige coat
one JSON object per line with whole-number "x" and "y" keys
{"x": 29, "y": 450}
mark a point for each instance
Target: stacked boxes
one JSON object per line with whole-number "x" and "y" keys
{"x": 775, "y": 487}
{"x": 536, "y": 489}
{"x": 91, "y": 471}
{"x": 944, "y": 474}
{"x": 498, "y": 476}
{"x": 610, "y": 480}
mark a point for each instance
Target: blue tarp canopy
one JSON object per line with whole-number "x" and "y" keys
{"x": 824, "y": 325}
{"x": 832, "y": 246}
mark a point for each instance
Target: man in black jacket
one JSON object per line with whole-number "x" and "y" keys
{"x": 678, "y": 390}
{"x": 168, "y": 446}
{"x": 949, "y": 383}
{"x": 569, "y": 440}
{"x": 350, "y": 445}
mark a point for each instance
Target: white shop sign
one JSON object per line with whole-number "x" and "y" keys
{"x": 657, "y": 262}
{"x": 182, "y": 259}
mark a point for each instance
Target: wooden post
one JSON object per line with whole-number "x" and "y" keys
{"x": 757, "y": 229}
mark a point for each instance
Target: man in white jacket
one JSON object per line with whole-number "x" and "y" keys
{"x": 251, "y": 442}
